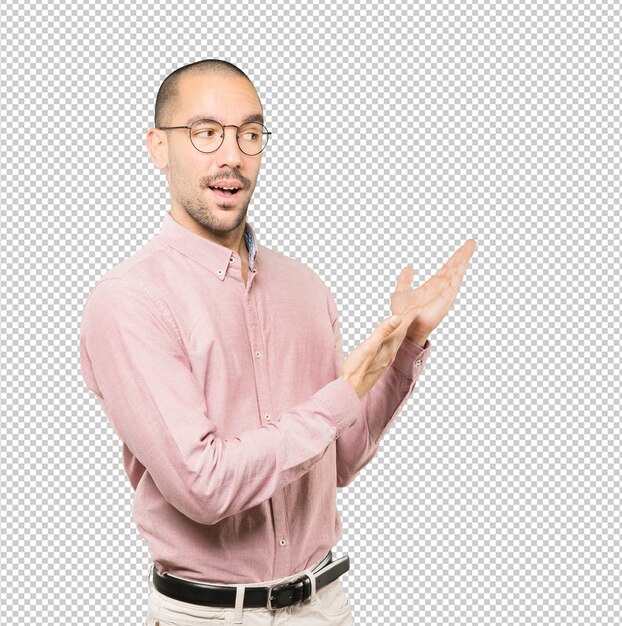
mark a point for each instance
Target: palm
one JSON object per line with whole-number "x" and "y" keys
{"x": 430, "y": 302}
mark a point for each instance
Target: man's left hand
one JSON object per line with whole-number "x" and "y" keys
{"x": 435, "y": 297}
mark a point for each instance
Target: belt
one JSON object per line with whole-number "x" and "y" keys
{"x": 275, "y": 597}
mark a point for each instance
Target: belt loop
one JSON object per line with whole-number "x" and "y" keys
{"x": 150, "y": 579}
{"x": 238, "y": 617}
{"x": 311, "y": 575}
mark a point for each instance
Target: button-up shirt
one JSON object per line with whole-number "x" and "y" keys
{"x": 226, "y": 395}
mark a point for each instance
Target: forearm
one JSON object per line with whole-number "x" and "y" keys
{"x": 227, "y": 476}
{"x": 132, "y": 360}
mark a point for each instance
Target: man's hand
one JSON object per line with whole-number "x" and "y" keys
{"x": 419, "y": 311}
{"x": 370, "y": 359}
{"x": 434, "y": 298}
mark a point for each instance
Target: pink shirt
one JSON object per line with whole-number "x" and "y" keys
{"x": 236, "y": 429}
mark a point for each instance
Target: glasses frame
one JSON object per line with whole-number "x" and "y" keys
{"x": 222, "y": 135}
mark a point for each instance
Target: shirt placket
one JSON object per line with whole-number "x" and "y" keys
{"x": 282, "y": 558}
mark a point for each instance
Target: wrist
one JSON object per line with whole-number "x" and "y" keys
{"x": 420, "y": 341}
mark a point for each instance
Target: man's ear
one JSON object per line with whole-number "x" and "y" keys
{"x": 157, "y": 147}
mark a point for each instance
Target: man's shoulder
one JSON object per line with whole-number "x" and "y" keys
{"x": 137, "y": 264}
{"x": 287, "y": 266}
{"x": 136, "y": 273}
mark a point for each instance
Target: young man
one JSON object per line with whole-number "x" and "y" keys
{"x": 219, "y": 364}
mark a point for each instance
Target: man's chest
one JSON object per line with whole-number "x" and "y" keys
{"x": 259, "y": 352}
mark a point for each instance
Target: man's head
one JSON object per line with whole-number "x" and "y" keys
{"x": 217, "y": 90}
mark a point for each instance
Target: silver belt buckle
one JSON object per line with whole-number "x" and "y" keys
{"x": 323, "y": 563}
{"x": 272, "y": 608}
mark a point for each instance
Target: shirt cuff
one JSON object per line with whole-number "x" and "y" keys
{"x": 410, "y": 358}
{"x": 344, "y": 404}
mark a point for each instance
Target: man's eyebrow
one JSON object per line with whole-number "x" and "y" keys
{"x": 254, "y": 117}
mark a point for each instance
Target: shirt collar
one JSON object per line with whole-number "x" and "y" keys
{"x": 207, "y": 253}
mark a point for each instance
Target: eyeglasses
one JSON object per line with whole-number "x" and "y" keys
{"x": 208, "y": 135}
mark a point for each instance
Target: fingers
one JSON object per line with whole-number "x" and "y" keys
{"x": 379, "y": 339}
{"x": 459, "y": 257}
{"x": 456, "y": 264}
{"x": 468, "y": 249}
{"x": 370, "y": 359}
{"x": 465, "y": 252}
{"x": 454, "y": 268}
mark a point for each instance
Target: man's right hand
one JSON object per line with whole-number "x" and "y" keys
{"x": 370, "y": 359}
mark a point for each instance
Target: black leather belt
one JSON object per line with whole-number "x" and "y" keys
{"x": 276, "y": 597}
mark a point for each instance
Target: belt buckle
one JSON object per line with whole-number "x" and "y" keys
{"x": 285, "y": 594}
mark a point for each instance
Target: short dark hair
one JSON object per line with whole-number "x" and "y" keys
{"x": 169, "y": 88}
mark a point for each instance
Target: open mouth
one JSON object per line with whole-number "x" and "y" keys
{"x": 225, "y": 192}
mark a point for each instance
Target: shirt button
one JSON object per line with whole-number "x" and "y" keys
{"x": 219, "y": 272}
{"x": 231, "y": 260}
{"x": 268, "y": 416}
{"x": 258, "y": 354}
{"x": 283, "y": 541}
{"x": 418, "y": 362}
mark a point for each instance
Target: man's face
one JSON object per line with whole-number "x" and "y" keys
{"x": 190, "y": 173}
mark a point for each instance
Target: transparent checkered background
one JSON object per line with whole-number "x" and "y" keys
{"x": 495, "y": 497}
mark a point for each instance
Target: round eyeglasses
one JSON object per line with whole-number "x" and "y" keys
{"x": 208, "y": 135}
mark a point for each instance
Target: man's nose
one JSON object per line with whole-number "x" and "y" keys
{"x": 229, "y": 152}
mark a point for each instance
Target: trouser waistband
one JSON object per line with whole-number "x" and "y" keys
{"x": 291, "y": 591}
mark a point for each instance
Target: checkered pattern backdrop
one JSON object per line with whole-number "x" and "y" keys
{"x": 399, "y": 131}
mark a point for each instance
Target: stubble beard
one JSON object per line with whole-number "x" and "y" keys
{"x": 208, "y": 212}
{"x": 205, "y": 215}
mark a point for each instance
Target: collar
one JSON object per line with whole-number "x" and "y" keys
{"x": 207, "y": 253}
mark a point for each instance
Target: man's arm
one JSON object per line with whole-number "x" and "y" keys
{"x": 132, "y": 358}
{"x": 357, "y": 445}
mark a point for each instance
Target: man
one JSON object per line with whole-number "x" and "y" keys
{"x": 219, "y": 364}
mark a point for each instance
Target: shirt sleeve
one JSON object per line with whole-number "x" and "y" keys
{"x": 380, "y": 405}
{"x": 132, "y": 358}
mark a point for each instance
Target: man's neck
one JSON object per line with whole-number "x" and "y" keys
{"x": 233, "y": 240}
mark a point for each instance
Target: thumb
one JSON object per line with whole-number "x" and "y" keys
{"x": 405, "y": 279}
{"x": 386, "y": 327}
{"x": 392, "y": 322}
{"x": 384, "y": 330}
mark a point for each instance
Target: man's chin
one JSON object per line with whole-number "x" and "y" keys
{"x": 216, "y": 218}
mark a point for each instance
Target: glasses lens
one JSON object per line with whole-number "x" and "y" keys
{"x": 252, "y": 138}
{"x": 206, "y": 135}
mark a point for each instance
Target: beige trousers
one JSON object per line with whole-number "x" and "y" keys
{"x": 329, "y": 606}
